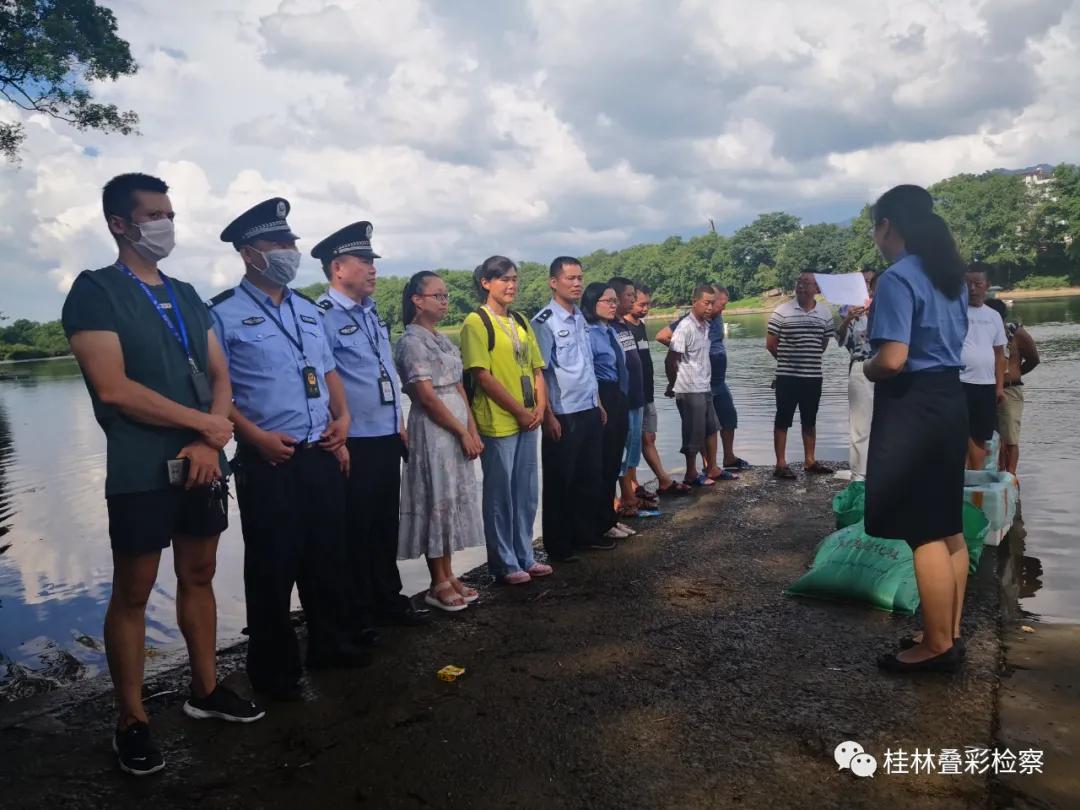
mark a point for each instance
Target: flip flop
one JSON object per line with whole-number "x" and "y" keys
{"x": 725, "y": 475}
{"x": 817, "y": 468}
{"x": 701, "y": 481}
{"x": 645, "y": 494}
{"x": 740, "y": 464}
{"x": 627, "y": 511}
{"x": 674, "y": 488}
{"x": 785, "y": 473}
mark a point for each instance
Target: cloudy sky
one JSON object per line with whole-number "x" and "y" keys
{"x": 463, "y": 128}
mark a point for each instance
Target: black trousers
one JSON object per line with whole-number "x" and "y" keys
{"x": 571, "y": 483}
{"x": 613, "y": 446}
{"x": 293, "y": 521}
{"x": 374, "y": 494}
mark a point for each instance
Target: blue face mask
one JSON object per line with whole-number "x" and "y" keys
{"x": 281, "y": 266}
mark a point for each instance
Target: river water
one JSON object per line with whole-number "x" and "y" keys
{"x": 55, "y": 567}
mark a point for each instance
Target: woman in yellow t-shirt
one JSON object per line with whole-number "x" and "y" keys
{"x": 508, "y": 396}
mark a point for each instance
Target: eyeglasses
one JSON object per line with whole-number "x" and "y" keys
{"x": 436, "y": 296}
{"x": 612, "y": 301}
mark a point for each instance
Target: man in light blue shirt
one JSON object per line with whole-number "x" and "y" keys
{"x": 573, "y": 421}
{"x": 564, "y": 344}
{"x": 291, "y": 421}
{"x": 266, "y": 363}
{"x": 360, "y": 342}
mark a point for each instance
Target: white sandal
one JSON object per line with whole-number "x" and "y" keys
{"x": 468, "y": 600}
{"x": 434, "y": 601}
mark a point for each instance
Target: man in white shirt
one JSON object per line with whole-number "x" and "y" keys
{"x": 984, "y": 366}
{"x": 689, "y": 375}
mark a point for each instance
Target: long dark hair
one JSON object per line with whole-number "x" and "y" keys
{"x": 415, "y": 286}
{"x": 910, "y": 209}
{"x": 492, "y": 268}
{"x": 589, "y": 298}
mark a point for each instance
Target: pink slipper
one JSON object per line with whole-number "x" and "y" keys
{"x": 540, "y": 569}
{"x": 517, "y": 578}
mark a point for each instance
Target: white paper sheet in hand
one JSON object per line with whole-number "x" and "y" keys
{"x": 845, "y": 288}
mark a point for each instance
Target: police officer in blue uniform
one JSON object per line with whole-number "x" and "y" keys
{"x": 291, "y": 422}
{"x": 573, "y": 423}
{"x": 360, "y": 342}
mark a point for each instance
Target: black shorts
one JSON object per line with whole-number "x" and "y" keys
{"x": 146, "y": 522}
{"x": 801, "y": 392}
{"x": 982, "y": 410}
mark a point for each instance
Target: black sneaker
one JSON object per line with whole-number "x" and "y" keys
{"x": 223, "y": 704}
{"x": 135, "y": 750}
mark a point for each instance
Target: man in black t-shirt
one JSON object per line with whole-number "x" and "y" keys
{"x": 160, "y": 390}
{"x": 635, "y": 321}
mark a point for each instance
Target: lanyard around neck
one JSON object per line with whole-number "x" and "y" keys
{"x": 298, "y": 341}
{"x": 364, "y": 327}
{"x": 177, "y": 330}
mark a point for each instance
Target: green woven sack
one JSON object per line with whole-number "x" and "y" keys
{"x": 849, "y": 504}
{"x": 976, "y": 527}
{"x": 851, "y": 566}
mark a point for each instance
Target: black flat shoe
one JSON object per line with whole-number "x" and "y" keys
{"x": 948, "y": 661}
{"x": 907, "y": 642}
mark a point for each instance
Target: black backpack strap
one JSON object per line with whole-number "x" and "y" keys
{"x": 524, "y": 324}
{"x": 489, "y": 326}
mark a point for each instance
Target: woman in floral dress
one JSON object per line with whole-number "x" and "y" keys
{"x": 440, "y": 499}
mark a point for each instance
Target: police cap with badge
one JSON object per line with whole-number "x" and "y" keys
{"x": 352, "y": 240}
{"x": 263, "y": 221}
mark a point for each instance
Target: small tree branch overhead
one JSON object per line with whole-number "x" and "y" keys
{"x": 50, "y": 51}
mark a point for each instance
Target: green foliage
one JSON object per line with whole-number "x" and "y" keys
{"x": 50, "y": 52}
{"x": 991, "y": 216}
{"x": 861, "y": 250}
{"x": 1043, "y": 283}
{"x": 1057, "y": 223}
{"x": 754, "y": 245}
{"x": 818, "y": 248}
{"x": 26, "y": 340}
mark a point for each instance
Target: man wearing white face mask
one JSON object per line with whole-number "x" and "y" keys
{"x": 160, "y": 390}
{"x": 292, "y": 419}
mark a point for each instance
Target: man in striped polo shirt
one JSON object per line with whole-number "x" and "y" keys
{"x": 799, "y": 332}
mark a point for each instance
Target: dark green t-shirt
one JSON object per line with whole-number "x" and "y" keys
{"x": 108, "y": 300}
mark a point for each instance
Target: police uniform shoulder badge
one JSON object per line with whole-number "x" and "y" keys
{"x": 325, "y": 304}
{"x": 221, "y": 296}
{"x": 542, "y": 316}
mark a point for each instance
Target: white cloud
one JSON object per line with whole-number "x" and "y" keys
{"x": 535, "y": 127}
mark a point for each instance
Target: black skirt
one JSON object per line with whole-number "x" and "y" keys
{"x": 915, "y": 465}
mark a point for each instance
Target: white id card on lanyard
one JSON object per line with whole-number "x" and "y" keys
{"x": 386, "y": 389}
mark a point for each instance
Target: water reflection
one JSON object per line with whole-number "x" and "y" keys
{"x": 1020, "y": 575}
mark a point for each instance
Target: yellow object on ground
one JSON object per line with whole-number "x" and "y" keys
{"x": 450, "y": 673}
